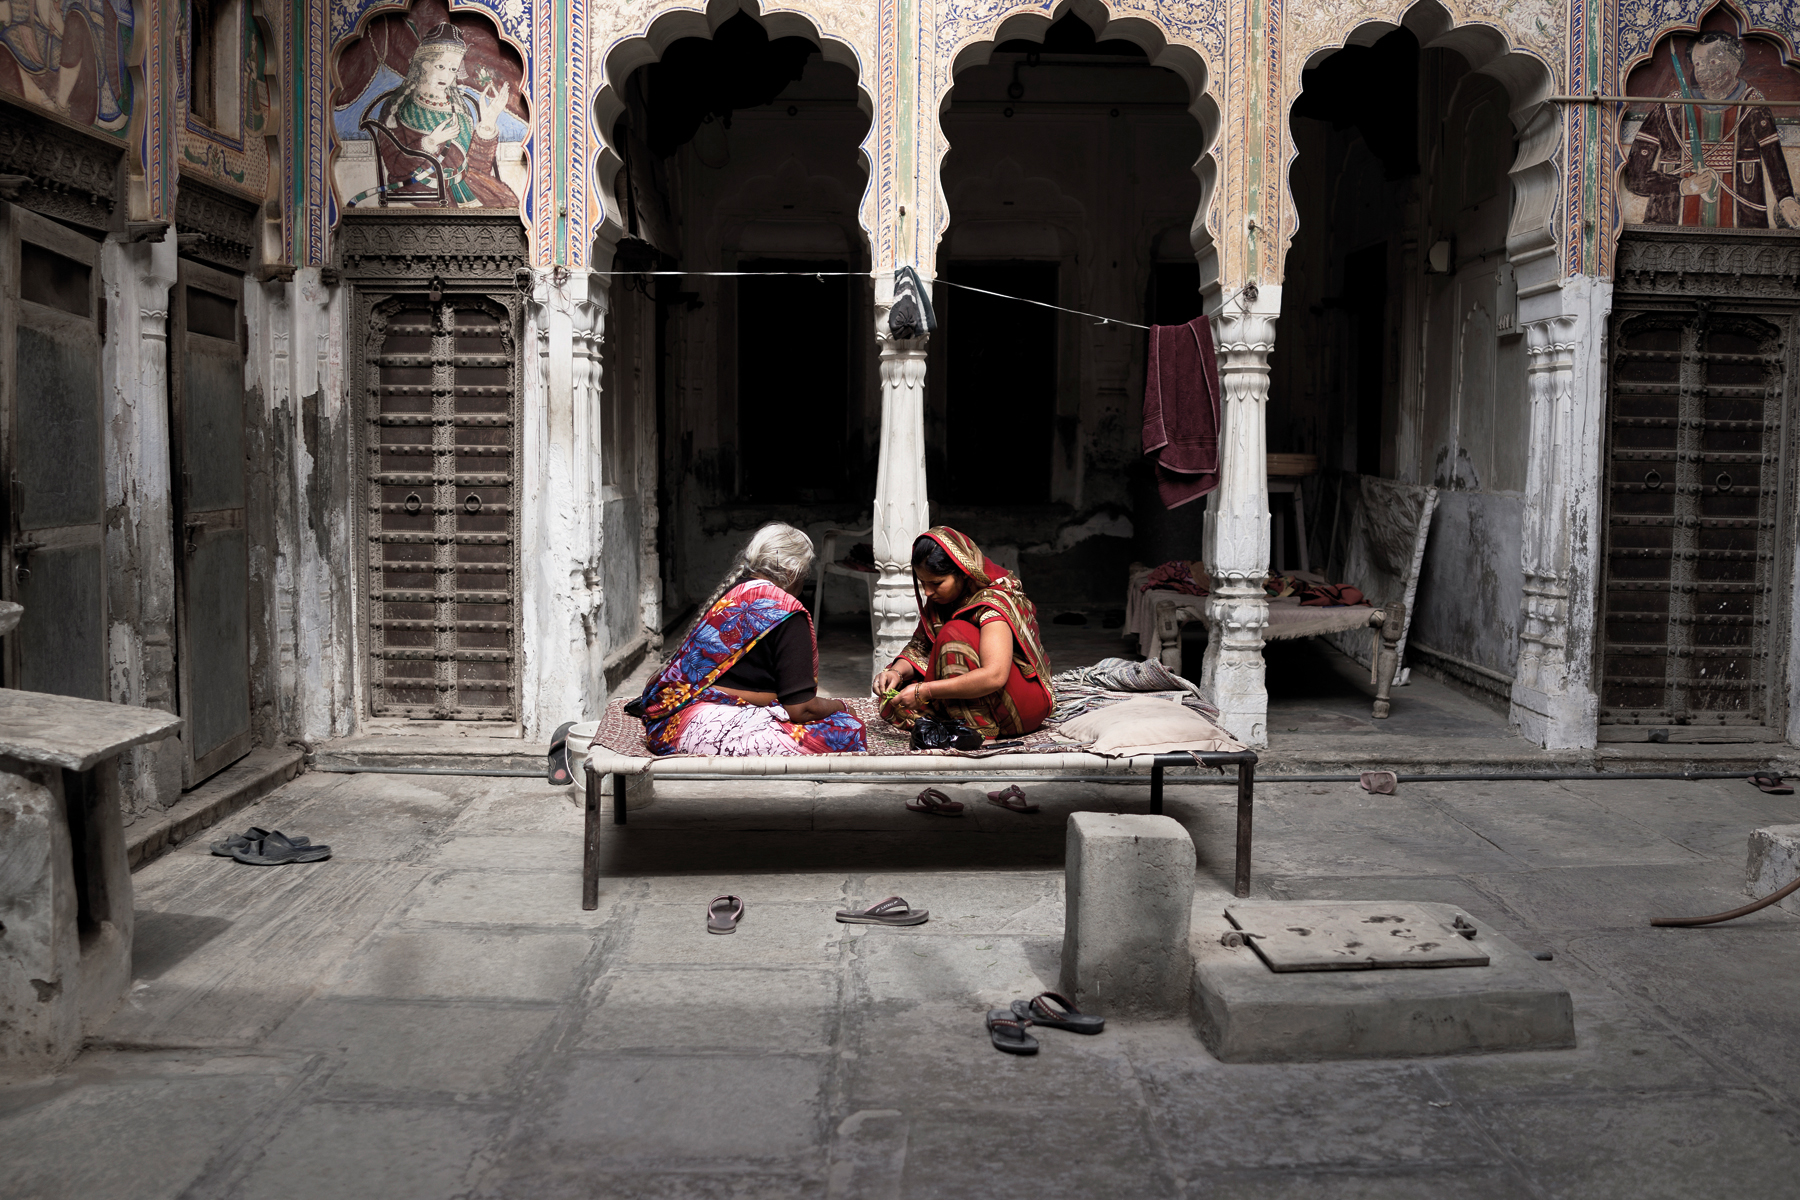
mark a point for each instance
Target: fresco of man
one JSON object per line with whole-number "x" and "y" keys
{"x": 429, "y": 113}
{"x": 1742, "y": 181}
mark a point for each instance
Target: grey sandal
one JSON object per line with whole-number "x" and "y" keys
{"x": 276, "y": 850}
{"x": 247, "y": 840}
{"x": 1007, "y": 1032}
{"x": 724, "y": 913}
{"x": 892, "y": 911}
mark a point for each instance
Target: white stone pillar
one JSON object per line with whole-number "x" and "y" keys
{"x": 1237, "y": 518}
{"x": 562, "y": 624}
{"x": 902, "y": 509}
{"x": 1554, "y": 701}
{"x": 140, "y": 544}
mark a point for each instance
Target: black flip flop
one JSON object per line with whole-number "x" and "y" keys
{"x": 1013, "y": 799}
{"x": 248, "y": 839}
{"x": 1007, "y": 1032}
{"x": 892, "y": 911}
{"x": 724, "y": 913}
{"x": 1771, "y": 783}
{"x": 933, "y": 801}
{"x": 275, "y": 850}
{"x": 1037, "y": 1011}
{"x": 562, "y": 771}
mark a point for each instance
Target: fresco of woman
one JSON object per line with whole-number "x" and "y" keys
{"x": 430, "y": 114}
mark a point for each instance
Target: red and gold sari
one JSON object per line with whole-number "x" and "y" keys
{"x": 947, "y": 645}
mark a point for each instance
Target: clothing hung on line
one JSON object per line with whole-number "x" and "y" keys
{"x": 946, "y": 645}
{"x": 684, "y": 712}
{"x": 1181, "y": 411}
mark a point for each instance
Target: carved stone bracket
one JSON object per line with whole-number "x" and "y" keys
{"x": 421, "y": 244}
{"x": 214, "y": 226}
{"x": 60, "y": 172}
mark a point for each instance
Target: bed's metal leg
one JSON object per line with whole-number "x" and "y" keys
{"x": 619, "y": 798}
{"x": 1156, "y": 784}
{"x": 1246, "y": 800}
{"x": 590, "y": 849}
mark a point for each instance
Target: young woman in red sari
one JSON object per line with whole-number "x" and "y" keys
{"x": 977, "y": 655}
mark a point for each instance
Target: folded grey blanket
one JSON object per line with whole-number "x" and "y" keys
{"x": 1111, "y": 680}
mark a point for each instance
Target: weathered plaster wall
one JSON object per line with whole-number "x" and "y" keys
{"x": 139, "y": 520}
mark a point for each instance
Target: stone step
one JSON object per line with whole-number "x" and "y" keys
{"x": 249, "y": 779}
{"x": 375, "y": 752}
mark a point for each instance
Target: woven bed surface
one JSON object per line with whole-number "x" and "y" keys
{"x": 624, "y": 735}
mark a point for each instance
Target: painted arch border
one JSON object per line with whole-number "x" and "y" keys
{"x": 1194, "y": 49}
{"x": 350, "y": 23}
{"x": 1491, "y": 49}
{"x": 647, "y": 39}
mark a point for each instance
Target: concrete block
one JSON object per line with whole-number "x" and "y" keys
{"x": 1245, "y": 1012}
{"x": 1130, "y": 889}
{"x": 1774, "y": 863}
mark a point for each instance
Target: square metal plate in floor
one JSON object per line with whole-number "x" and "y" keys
{"x": 1357, "y": 936}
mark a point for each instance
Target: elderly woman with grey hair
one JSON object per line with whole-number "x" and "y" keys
{"x": 744, "y": 678}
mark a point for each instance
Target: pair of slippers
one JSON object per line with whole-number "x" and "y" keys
{"x": 1006, "y": 1027}
{"x": 259, "y": 847}
{"x": 935, "y": 802}
{"x": 725, "y": 912}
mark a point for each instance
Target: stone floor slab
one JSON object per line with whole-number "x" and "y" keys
{"x": 769, "y": 933}
{"x": 384, "y": 1049}
{"x": 510, "y": 898}
{"x": 351, "y": 1151}
{"x": 465, "y": 964}
{"x": 741, "y": 1009}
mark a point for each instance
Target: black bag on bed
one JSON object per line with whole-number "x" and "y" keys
{"x": 940, "y": 733}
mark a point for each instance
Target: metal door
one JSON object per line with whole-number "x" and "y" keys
{"x": 52, "y": 325}
{"x": 1693, "y": 539}
{"x": 440, "y": 382}
{"x": 206, "y": 433}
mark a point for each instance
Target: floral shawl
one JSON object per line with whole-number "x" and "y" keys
{"x": 994, "y": 589}
{"x": 735, "y": 623}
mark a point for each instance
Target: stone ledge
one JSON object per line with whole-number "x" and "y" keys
{"x": 372, "y": 752}
{"x": 1245, "y": 1012}
{"x": 1774, "y": 862}
{"x": 245, "y": 781}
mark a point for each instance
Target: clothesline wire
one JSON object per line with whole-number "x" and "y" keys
{"x": 864, "y": 274}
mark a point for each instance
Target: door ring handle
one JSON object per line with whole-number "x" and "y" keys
{"x": 473, "y": 504}
{"x": 413, "y": 504}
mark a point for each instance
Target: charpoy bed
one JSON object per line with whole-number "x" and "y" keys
{"x": 633, "y": 773}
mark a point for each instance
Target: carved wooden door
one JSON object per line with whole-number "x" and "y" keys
{"x": 212, "y": 553}
{"x": 1695, "y": 566}
{"x": 440, "y": 384}
{"x": 52, "y": 327}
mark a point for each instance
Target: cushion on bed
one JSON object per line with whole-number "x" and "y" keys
{"x": 1149, "y": 726}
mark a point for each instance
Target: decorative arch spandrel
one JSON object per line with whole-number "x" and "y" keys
{"x": 630, "y": 34}
{"x": 1188, "y": 37}
{"x": 1528, "y": 45}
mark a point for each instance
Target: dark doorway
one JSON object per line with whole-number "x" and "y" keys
{"x": 1368, "y": 316}
{"x": 793, "y": 381}
{"x": 1174, "y": 293}
{"x": 1000, "y": 382}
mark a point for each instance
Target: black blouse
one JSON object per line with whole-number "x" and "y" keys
{"x": 781, "y": 661}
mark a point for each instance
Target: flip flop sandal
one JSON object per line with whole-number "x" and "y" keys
{"x": 1771, "y": 783}
{"x": 562, "y": 771}
{"x": 1012, "y": 798}
{"x": 892, "y": 911}
{"x": 1007, "y": 1032}
{"x": 276, "y": 850}
{"x": 247, "y": 839}
{"x": 1037, "y": 1011}
{"x": 933, "y": 801}
{"x": 724, "y": 913}
{"x": 1380, "y": 783}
